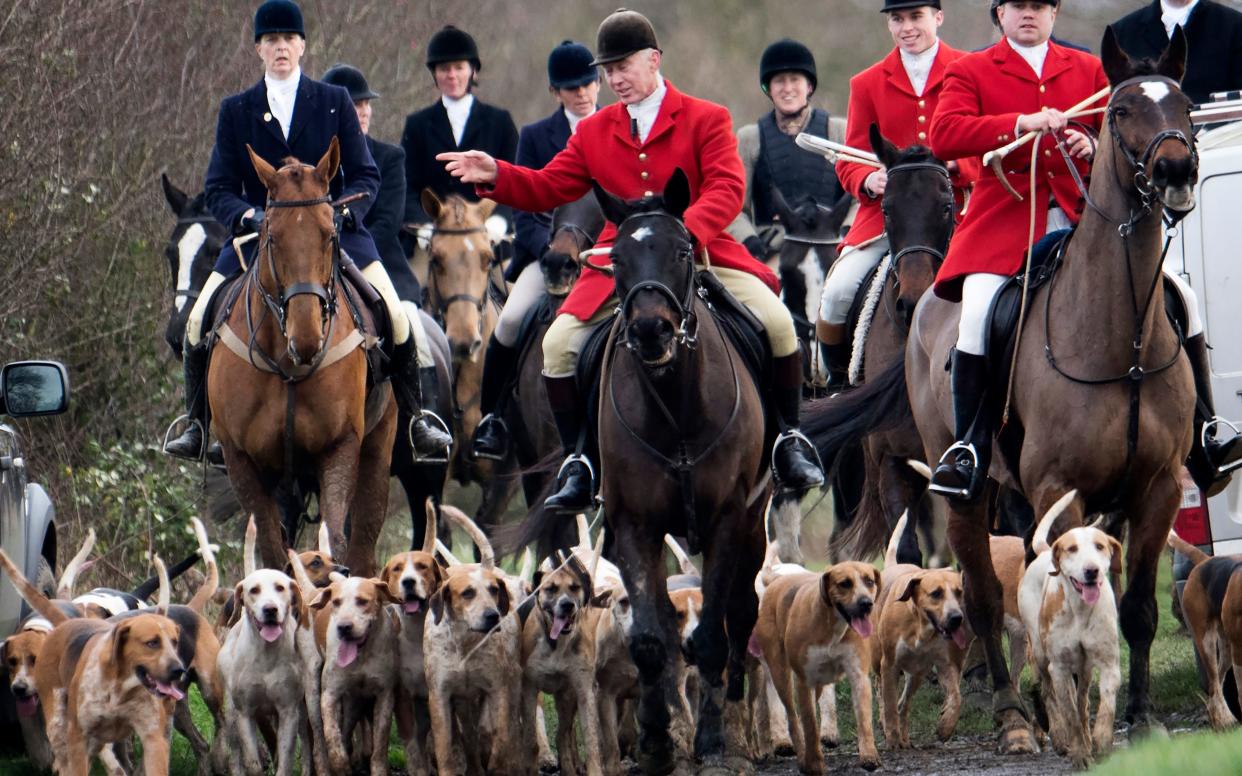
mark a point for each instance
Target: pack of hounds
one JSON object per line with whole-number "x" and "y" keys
{"x": 459, "y": 654}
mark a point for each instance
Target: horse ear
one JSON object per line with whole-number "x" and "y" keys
{"x": 265, "y": 171}
{"x": 431, "y": 204}
{"x": 330, "y": 162}
{"x": 486, "y": 208}
{"x": 1172, "y": 63}
{"x": 782, "y": 208}
{"x": 677, "y": 193}
{"x": 175, "y": 197}
{"x": 615, "y": 210}
{"x": 1117, "y": 63}
{"x": 882, "y": 147}
{"x": 841, "y": 211}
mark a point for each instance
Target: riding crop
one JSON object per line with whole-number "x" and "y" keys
{"x": 835, "y": 152}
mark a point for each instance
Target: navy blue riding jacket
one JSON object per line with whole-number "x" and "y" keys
{"x": 320, "y": 112}
{"x": 537, "y": 144}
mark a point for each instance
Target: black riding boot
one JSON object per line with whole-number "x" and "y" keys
{"x": 575, "y": 481}
{"x": 427, "y": 441}
{"x": 964, "y": 467}
{"x": 1211, "y": 460}
{"x": 190, "y": 444}
{"x": 837, "y": 364}
{"x": 795, "y": 465}
{"x": 491, "y": 436}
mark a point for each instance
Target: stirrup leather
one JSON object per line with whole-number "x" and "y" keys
{"x": 794, "y": 435}
{"x": 434, "y": 419}
{"x": 494, "y": 418}
{"x": 188, "y": 421}
{"x": 956, "y": 447}
{"x": 1210, "y": 426}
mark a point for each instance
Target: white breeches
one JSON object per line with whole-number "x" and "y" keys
{"x": 846, "y": 275}
{"x": 194, "y": 323}
{"x": 978, "y": 291}
{"x": 525, "y": 293}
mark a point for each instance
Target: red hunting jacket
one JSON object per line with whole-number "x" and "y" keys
{"x": 983, "y": 95}
{"x": 883, "y": 94}
{"x": 693, "y": 134}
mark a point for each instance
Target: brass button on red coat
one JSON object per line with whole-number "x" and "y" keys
{"x": 644, "y": 175}
{"x": 922, "y": 119}
{"x": 642, "y": 157}
{"x": 1042, "y": 88}
{"x": 648, "y": 193}
{"x": 922, "y": 136}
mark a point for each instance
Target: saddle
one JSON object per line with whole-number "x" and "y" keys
{"x": 857, "y": 321}
{"x": 1001, "y": 332}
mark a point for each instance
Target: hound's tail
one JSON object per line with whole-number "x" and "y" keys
{"x": 455, "y": 515}
{"x": 429, "y": 533}
{"x": 1195, "y": 554}
{"x": 890, "y": 553}
{"x": 76, "y": 565}
{"x": 300, "y": 576}
{"x": 252, "y": 534}
{"x": 1039, "y": 542}
{"x": 31, "y": 594}
{"x": 212, "y": 583}
{"x": 165, "y": 598}
{"x": 683, "y": 560}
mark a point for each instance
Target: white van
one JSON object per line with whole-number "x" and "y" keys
{"x": 1205, "y": 252}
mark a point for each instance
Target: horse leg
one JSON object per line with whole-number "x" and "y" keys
{"x": 740, "y": 616}
{"x": 255, "y": 499}
{"x": 641, "y": 560}
{"x": 338, "y": 473}
{"x": 1152, "y": 518}
{"x": 968, "y": 536}
{"x": 786, "y": 519}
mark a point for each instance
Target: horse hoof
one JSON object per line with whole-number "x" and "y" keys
{"x": 1148, "y": 727}
{"x": 1017, "y": 740}
{"x": 785, "y": 750}
{"x": 829, "y": 743}
{"x": 726, "y": 766}
{"x": 659, "y": 763}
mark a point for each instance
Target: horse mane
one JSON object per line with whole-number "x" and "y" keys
{"x": 917, "y": 154}
{"x": 455, "y": 211}
{"x": 1144, "y": 66}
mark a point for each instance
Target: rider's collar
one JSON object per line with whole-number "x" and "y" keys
{"x": 283, "y": 86}
{"x": 1034, "y": 55}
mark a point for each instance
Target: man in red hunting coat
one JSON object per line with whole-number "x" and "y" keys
{"x": 631, "y": 148}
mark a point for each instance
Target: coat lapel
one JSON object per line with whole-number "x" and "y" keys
{"x": 441, "y": 127}
{"x": 471, "y": 129}
{"x": 1057, "y": 62}
{"x": 1153, "y": 27}
{"x": 303, "y": 109}
{"x": 670, "y": 106}
{"x": 560, "y": 129}
{"x": 621, "y": 124}
{"x": 1011, "y": 62}
{"x": 263, "y": 112}
{"x": 897, "y": 75}
{"x": 941, "y": 63}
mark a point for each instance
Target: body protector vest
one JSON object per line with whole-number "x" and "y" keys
{"x": 799, "y": 174}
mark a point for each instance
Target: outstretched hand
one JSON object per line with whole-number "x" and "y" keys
{"x": 469, "y": 166}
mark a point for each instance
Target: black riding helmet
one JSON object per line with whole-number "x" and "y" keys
{"x": 277, "y": 16}
{"x": 352, "y": 79}
{"x": 998, "y": 3}
{"x": 569, "y": 66}
{"x": 452, "y": 45}
{"x": 622, "y": 33}
{"x": 901, "y": 5}
{"x": 783, "y": 56}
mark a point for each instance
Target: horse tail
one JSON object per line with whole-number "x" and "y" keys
{"x": 877, "y": 405}
{"x": 865, "y": 533}
{"x": 1195, "y": 554}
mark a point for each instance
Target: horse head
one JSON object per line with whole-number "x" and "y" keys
{"x": 297, "y": 247}
{"x": 1149, "y": 123}
{"x": 918, "y": 210}
{"x": 812, "y": 233}
{"x": 653, "y": 267}
{"x": 193, "y": 245}
{"x": 461, "y": 257}
{"x": 575, "y": 228}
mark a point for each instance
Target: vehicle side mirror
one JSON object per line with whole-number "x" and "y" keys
{"x": 32, "y": 388}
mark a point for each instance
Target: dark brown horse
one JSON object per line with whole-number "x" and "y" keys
{"x": 297, "y": 400}
{"x": 681, "y": 435}
{"x": 1102, "y": 396}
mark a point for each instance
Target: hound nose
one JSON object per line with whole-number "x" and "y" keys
{"x": 270, "y": 612}
{"x": 565, "y": 608}
{"x": 1091, "y": 574}
{"x": 345, "y": 630}
{"x": 953, "y": 622}
{"x": 342, "y": 570}
{"x": 491, "y": 618}
{"x": 176, "y": 675}
{"x": 864, "y": 606}
{"x": 407, "y": 583}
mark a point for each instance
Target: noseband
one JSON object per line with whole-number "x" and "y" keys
{"x": 687, "y": 327}
{"x": 443, "y": 303}
{"x": 1148, "y": 194}
{"x": 935, "y": 253}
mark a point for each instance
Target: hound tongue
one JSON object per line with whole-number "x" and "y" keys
{"x": 270, "y": 632}
{"x": 26, "y": 707}
{"x": 169, "y": 691}
{"x": 959, "y": 637}
{"x": 558, "y": 625}
{"x": 862, "y": 626}
{"x": 412, "y": 607}
{"x": 346, "y": 653}
{"x": 1090, "y": 593}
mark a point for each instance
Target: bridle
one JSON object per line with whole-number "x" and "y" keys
{"x": 190, "y": 293}
{"x": 442, "y": 304}
{"x": 687, "y": 327}
{"x": 937, "y": 253}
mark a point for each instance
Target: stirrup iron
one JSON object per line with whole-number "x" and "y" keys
{"x": 1211, "y": 425}
{"x": 577, "y": 458}
{"x": 435, "y": 419}
{"x": 956, "y": 447}
{"x": 188, "y": 421}
{"x": 794, "y": 433}
{"x": 488, "y": 456}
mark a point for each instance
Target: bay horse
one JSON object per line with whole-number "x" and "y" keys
{"x": 575, "y": 228}
{"x": 288, "y": 406}
{"x": 1103, "y": 396}
{"x": 192, "y": 248}
{"x": 682, "y": 441}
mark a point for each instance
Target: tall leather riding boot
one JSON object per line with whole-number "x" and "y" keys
{"x": 1212, "y": 460}
{"x": 190, "y": 444}
{"x": 837, "y": 362}
{"x": 795, "y": 464}
{"x": 964, "y": 467}
{"x": 428, "y": 441}
{"x": 575, "y": 481}
{"x": 491, "y": 436}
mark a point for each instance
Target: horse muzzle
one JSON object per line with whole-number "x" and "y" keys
{"x": 1174, "y": 178}
{"x": 652, "y": 340}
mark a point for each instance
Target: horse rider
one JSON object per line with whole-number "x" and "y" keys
{"x": 457, "y": 120}
{"x": 632, "y": 147}
{"x": 573, "y": 80}
{"x": 1021, "y": 84}
{"x": 287, "y": 114}
{"x": 770, "y": 157}
{"x": 899, "y": 94}
{"x": 1213, "y": 41}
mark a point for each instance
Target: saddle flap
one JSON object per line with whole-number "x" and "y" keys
{"x": 1001, "y": 331}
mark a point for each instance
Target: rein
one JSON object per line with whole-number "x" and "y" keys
{"x": 937, "y": 253}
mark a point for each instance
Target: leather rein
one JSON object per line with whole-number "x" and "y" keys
{"x": 937, "y": 253}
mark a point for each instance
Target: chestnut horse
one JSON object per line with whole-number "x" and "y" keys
{"x": 292, "y": 405}
{"x": 1102, "y": 397}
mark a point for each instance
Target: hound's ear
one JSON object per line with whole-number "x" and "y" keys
{"x": 299, "y": 604}
{"x": 385, "y": 591}
{"x": 602, "y": 600}
{"x": 431, "y": 204}
{"x": 438, "y": 571}
{"x": 321, "y": 598}
{"x": 1172, "y": 63}
{"x": 265, "y": 171}
{"x": 1114, "y": 563}
{"x": 119, "y": 637}
{"x": 1056, "y": 560}
{"x": 441, "y": 603}
{"x": 677, "y": 193}
{"x": 502, "y": 596}
{"x": 584, "y": 578}
{"x": 330, "y": 162}
{"x": 238, "y": 607}
{"x": 175, "y": 197}
{"x": 912, "y": 586}
{"x": 536, "y": 580}
{"x": 486, "y": 207}
{"x": 879, "y": 579}
{"x": 4, "y": 652}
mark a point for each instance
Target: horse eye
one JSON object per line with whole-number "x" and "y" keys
{"x": 1121, "y": 113}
